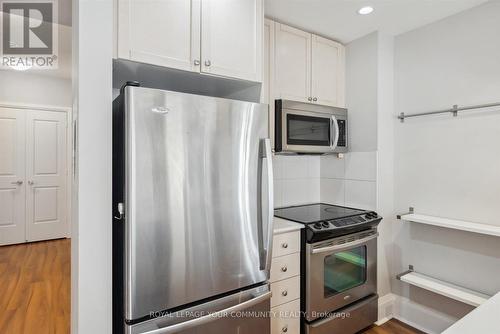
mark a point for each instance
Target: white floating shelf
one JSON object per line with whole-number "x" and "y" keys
{"x": 453, "y": 224}
{"x": 445, "y": 289}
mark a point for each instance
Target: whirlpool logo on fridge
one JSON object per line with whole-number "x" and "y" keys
{"x": 29, "y": 35}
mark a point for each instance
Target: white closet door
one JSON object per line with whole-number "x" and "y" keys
{"x": 292, "y": 64}
{"x": 46, "y": 175}
{"x": 12, "y": 180}
{"x": 327, "y": 72}
{"x": 231, "y": 43}
{"x": 160, "y": 32}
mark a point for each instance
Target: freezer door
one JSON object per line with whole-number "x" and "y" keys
{"x": 245, "y": 312}
{"x": 198, "y": 198}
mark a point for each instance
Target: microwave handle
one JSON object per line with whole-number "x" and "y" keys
{"x": 346, "y": 245}
{"x": 335, "y": 124}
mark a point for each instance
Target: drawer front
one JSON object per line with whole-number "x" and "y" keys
{"x": 361, "y": 315}
{"x": 285, "y": 267}
{"x": 286, "y": 318}
{"x": 286, "y": 243}
{"x": 285, "y": 291}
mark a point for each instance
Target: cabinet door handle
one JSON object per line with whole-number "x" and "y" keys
{"x": 30, "y": 182}
{"x": 208, "y": 63}
{"x": 284, "y": 245}
{"x": 196, "y": 62}
{"x": 18, "y": 182}
{"x": 309, "y": 98}
{"x": 284, "y": 269}
{"x": 315, "y": 99}
{"x": 284, "y": 329}
{"x": 284, "y": 293}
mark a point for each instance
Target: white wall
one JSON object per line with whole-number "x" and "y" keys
{"x": 364, "y": 178}
{"x": 91, "y": 246}
{"x": 27, "y": 88}
{"x": 448, "y": 166}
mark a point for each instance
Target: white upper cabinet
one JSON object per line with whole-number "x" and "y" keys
{"x": 292, "y": 63}
{"x": 231, "y": 43}
{"x": 160, "y": 32}
{"x": 308, "y": 68}
{"x": 220, "y": 37}
{"x": 327, "y": 81}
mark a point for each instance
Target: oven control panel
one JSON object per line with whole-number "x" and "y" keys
{"x": 326, "y": 229}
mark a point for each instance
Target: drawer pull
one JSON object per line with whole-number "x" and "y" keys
{"x": 284, "y": 329}
{"x": 284, "y": 293}
{"x": 284, "y": 245}
{"x": 284, "y": 269}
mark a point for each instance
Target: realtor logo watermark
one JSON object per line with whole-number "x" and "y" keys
{"x": 29, "y": 35}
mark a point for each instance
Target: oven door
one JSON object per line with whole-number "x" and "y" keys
{"x": 309, "y": 132}
{"x": 339, "y": 272}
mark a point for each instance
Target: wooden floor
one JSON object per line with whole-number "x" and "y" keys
{"x": 35, "y": 288}
{"x": 392, "y": 326}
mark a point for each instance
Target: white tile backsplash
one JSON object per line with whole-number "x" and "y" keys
{"x": 297, "y": 179}
{"x": 361, "y": 194}
{"x": 332, "y": 191}
{"x": 278, "y": 193}
{"x": 309, "y": 179}
{"x": 332, "y": 167}
{"x": 361, "y": 166}
{"x": 300, "y": 191}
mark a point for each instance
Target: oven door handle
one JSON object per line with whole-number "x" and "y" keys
{"x": 334, "y": 124}
{"x": 342, "y": 246}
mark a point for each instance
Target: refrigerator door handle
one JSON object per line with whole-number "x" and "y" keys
{"x": 177, "y": 328}
{"x": 268, "y": 241}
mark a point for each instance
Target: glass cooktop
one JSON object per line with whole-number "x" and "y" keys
{"x": 312, "y": 213}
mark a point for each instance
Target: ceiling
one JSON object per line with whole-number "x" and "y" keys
{"x": 338, "y": 19}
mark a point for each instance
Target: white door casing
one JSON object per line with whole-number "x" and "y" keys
{"x": 12, "y": 176}
{"x": 46, "y": 175}
{"x": 231, "y": 38}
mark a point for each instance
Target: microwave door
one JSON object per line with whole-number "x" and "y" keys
{"x": 309, "y": 132}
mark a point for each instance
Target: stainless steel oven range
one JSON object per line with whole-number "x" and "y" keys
{"x": 339, "y": 270}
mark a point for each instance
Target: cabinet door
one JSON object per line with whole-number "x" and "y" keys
{"x": 327, "y": 72}
{"x": 160, "y": 32}
{"x": 231, "y": 43}
{"x": 266, "y": 95}
{"x": 46, "y": 175}
{"x": 292, "y": 63}
{"x": 12, "y": 181}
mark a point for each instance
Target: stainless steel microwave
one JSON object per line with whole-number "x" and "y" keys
{"x": 309, "y": 128}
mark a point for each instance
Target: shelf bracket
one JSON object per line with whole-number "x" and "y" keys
{"x": 410, "y": 270}
{"x": 411, "y": 210}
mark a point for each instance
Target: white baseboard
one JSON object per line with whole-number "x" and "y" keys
{"x": 382, "y": 321}
{"x": 418, "y": 316}
{"x": 423, "y": 318}
{"x": 386, "y": 308}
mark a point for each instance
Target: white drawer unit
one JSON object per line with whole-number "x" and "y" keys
{"x": 286, "y": 243}
{"x": 285, "y": 291}
{"x": 285, "y": 279}
{"x": 286, "y": 318}
{"x": 284, "y": 267}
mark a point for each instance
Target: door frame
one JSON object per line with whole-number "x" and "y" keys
{"x": 70, "y": 157}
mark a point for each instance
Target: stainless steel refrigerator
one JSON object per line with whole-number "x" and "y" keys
{"x": 193, "y": 208}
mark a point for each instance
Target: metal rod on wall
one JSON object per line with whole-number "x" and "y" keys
{"x": 453, "y": 110}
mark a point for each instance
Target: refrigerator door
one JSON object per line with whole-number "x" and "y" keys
{"x": 245, "y": 312}
{"x": 198, "y": 198}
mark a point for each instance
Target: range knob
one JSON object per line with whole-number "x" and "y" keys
{"x": 317, "y": 226}
{"x": 326, "y": 224}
